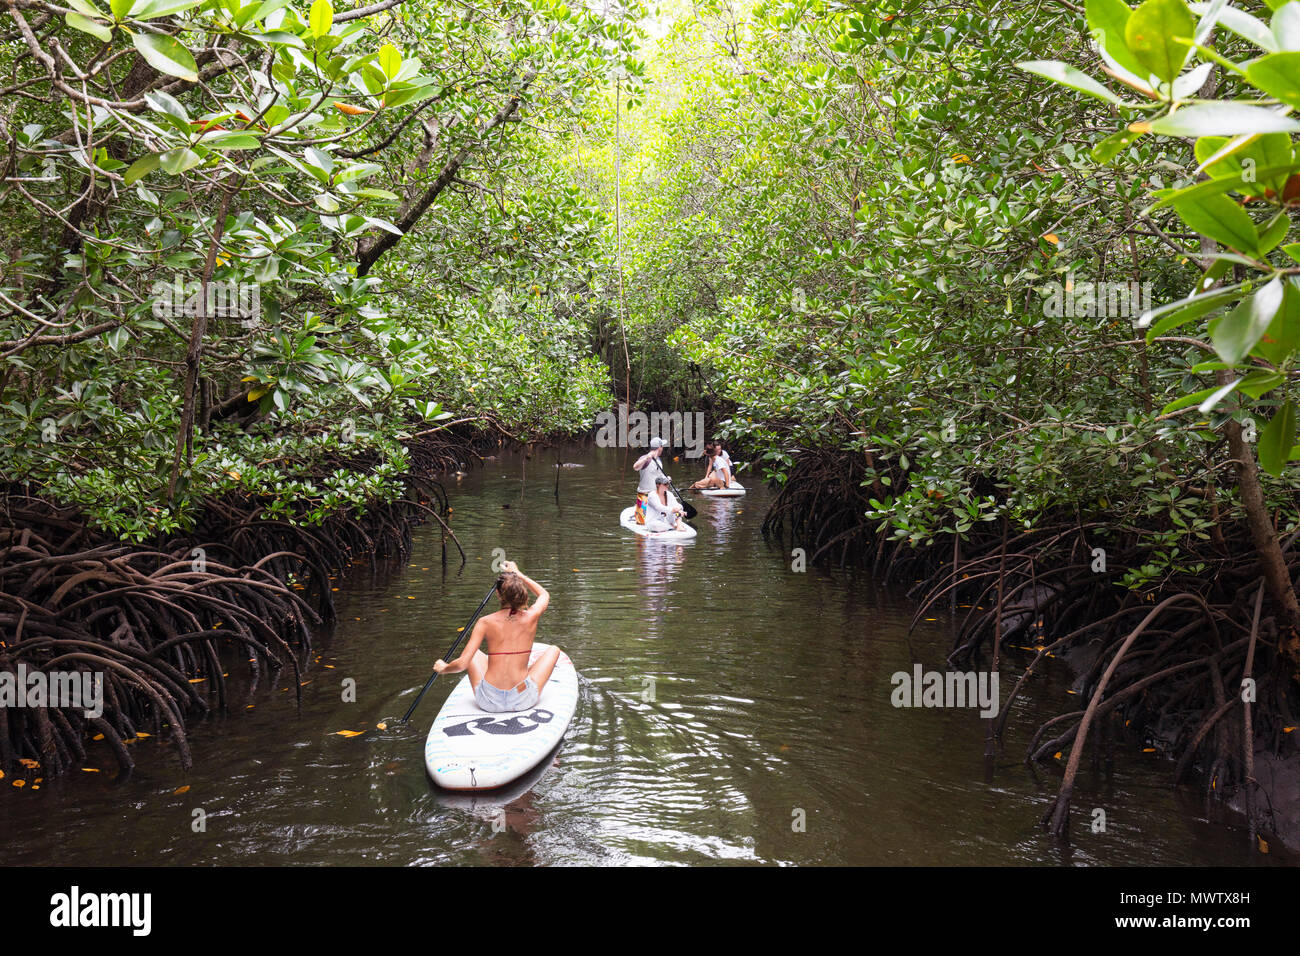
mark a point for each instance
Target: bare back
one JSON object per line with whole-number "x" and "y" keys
{"x": 507, "y": 639}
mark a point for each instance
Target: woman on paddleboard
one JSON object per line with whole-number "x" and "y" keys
{"x": 663, "y": 512}
{"x": 719, "y": 473}
{"x": 500, "y": 675}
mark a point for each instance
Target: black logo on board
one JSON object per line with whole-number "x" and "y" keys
{"x": 518, "y": 724}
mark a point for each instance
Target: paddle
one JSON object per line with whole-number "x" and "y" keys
{"x": 464, "y": 633}
{"x": 688, "y": 510}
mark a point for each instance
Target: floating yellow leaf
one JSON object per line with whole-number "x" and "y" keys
{"x": 1148, "y": 750}
{"x": 1057, "y": 755}
{"x": 197, "y": 680}
{"x": 20, "y": 783}
{"x": 85, "y": 769}
{"x": 29, "y": 763}
{"x": 381, "y": 725}
{"x": 142, "y": 734}
{"x": 347, "y": 733}
{"x": 1263, "y": 844}
{"x": 97, "y": 737}
{"x": 184, "y": 789}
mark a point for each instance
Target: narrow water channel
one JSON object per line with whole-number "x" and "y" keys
{"x": 732, "y": 710}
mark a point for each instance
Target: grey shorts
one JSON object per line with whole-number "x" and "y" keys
{"x": 497, "y": 701}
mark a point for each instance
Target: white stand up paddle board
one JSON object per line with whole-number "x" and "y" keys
{"x": 733, "y": 490}
{"x": 628, "y": 520}
{"x": 469, "y": 748}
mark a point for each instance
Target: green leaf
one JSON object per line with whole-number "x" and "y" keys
{"x": 1286, "y": 26}
{"x": 1171, "y": 316}
{"x": 1217, "y": 396}
{"x": 1107, "y": 20}
{"x": 88, "y": 9}
{"x": 177, "y": 161}
{"x": 1222, "y": 184}
{"x": 87, "y": 25}
{"x": 120, "y": 8}
{"x": 1274, "y": 233}
{"x": 1186, "y": 401}
{"x": 163, "y": 8}
{"x": 166, "y": 55}
{"x": 1221, "y": 219}
{"x": 141, "y": 167}
{"x": 1054, "y": 70}
{"x": 322, "y": 17}
{"x": 1113, "y": 145}
{"x": 390, "y": 61}
{"x": 1150, "y": 34}
{"x": 1276, "y": 439}
{"x": 230, "y": 139}
{"x": 1282, "y": 337}
{"x": 1237, "y": 332}
{"x": 1223, "y": 119}
{"x": 1278, "y": 75}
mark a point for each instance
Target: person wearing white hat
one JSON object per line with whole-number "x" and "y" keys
{"x": 650, "y": 468}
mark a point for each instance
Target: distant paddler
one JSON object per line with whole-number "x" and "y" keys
{"x": 718, "y": 474}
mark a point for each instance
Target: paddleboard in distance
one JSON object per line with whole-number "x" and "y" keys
{"x": 469, "y": 748}
{"x": 733, "y": 490}
{"x": 628, "y": 520}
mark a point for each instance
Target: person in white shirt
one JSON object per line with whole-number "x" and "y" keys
{"x": 719, "y": 473}
{"x": 663, "y": 513}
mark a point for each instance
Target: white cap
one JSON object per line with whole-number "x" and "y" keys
{"x": 658, "y": 442}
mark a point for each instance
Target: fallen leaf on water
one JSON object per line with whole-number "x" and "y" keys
{"x": 1148, "y": 750}
{"x": 347, "y": 733}
{"x": 97, "y": 737}
{"x": 142, "y": 734}
{"x": 184, "y": 789}
{"x": 1057, "y": 755}
{"x": 29, "y": 763}
{"x": 1287, "y": 730}
{"x": 330, "y": 666}
{"x": 90, "y": 769}
{"x": 197, "y": 680}
{"x": 1263, "y": 844}
{"x": 248, "y": 707}
{"x": 382, "y": 726}
{"x": 20, "y": 783}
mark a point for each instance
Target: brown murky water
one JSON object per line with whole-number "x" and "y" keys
{"x": 725, "y": 699}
